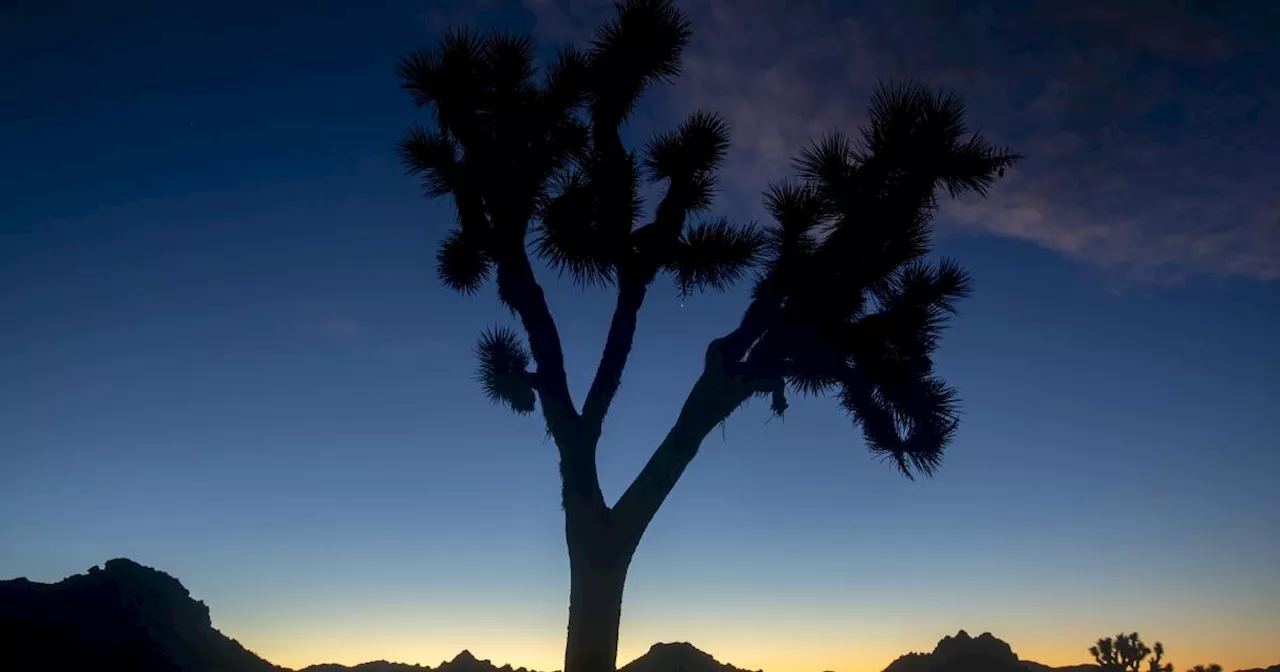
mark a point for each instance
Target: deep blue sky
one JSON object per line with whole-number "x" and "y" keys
{"x": 225, "y": 353}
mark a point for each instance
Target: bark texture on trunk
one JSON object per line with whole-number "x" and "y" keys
{"x": 598, "y": 572}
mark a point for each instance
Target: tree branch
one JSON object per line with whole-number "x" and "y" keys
{"x": 651, "y": 244}
{"x": 519, "y": 289}
{"x": 715, "y": 396}
{"x": 617, "y": 349}
{"x": 755, "y": 321}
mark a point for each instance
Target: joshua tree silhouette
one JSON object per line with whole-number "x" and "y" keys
{"x": 843, "y": 303}
{"x": 1126, "y": 652}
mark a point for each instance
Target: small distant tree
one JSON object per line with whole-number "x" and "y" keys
{"x": 1211, "y": 667}
{"x": 1156, "y": 664}
{"x": 844, "y": 303}
{"x": 1127, "y": 652}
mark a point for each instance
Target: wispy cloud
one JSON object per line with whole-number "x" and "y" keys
{"x": 1150, "y": 132}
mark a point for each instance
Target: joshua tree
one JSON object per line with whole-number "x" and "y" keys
{"x": 1125, "y": 653}
{"x": 843, "y": 305}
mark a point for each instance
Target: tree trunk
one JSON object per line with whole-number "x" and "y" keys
{"x": 602, "y": 541}
{"x": 598, "y": 571}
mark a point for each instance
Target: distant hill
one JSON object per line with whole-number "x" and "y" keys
{"x": 121, "y": 617}
{"x": 125, "y": 616}
{"x": 677, "y": 657}
{"x": 986, "y": 653}
{"x": 1037, "y": 667}
{"x": 463, "y": 662}
{"x": 962, "y": 653}
{"x": 375, "y": 666}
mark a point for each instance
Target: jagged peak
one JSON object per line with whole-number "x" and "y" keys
{"x": 963, "y": 645}
{"x": 121, "y": 608}
{"x": 130, "y": 572}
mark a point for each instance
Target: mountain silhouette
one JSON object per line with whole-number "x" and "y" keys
{"x": 677, "y": 657}
{"x": 962, "y": 653}
{"x": 124, "y": 616}
{"x": 463, "y": 662}
{"x": 121, "y": 617}
{"x": 374, "y": 666}
{"x": 1084, "y": 667}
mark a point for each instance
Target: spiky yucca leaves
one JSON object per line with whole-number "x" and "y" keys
{"x": 463, "y": 261}
{"x": 587, "y": 228}
{"x": 689, "y": 156}
{"x": 844, "y": 301}
{"x": 587, "y": 220}
{"x": 510, "y": 147}
{"x": 526, "y": 154}
{"x": 571, "y": 237}
{"x": 852, "y": 306}
{"x": 503, "y": 371}
{"x": 632, "y": 51}
{"x": 497, "y": 138}
{"x": 715, "y": 255}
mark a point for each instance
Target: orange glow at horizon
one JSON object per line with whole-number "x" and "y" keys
{"x": 817, "y": 653}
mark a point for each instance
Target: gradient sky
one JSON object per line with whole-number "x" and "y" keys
{"x": 225, "y": 353}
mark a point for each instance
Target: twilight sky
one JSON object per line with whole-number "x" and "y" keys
{"x": 225, "y": 353}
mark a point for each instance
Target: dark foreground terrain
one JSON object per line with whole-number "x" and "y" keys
{"x": 124, "y": 616}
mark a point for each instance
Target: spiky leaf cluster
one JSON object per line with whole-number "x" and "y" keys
{"x": 503, "y": 371}
{"x": 844, "y": 302}
{"x": 852, "y": 307}
{"x": 529, "y": 153}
